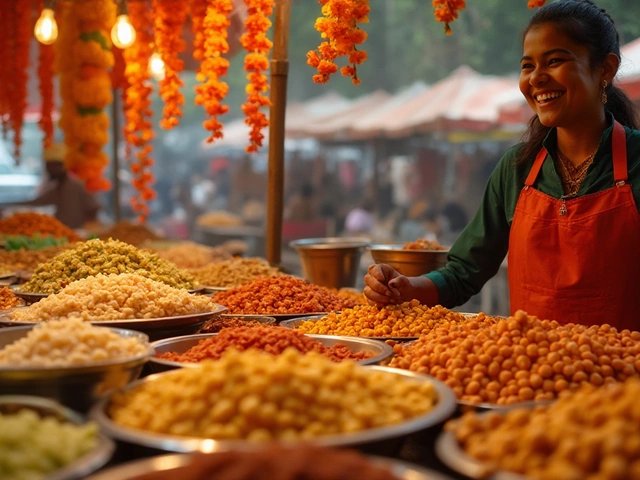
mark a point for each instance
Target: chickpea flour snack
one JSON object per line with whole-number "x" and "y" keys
{"x": 107, "y": 257}
{"x": 233, "y": 272}
{"x": 115, "y": 297}
{"x": 255, "y": 396}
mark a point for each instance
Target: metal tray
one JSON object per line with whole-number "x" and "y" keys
{"x": 156, "y": 328}
{"x": 36, "y": 297}
{"x": 379, "y": 350}
{"x": 280, "y": 317}
{"x": 453, "y": 456}
{"x": 81, "y": 467}
{"x": 294, "y": 323}
{"x": 165, "y": 463}
{"x": 443, "y": 409}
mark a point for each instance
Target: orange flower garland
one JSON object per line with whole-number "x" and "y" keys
{"x": 6, "y": 52}
{"x": 139, "y": 128}
{"x": 446, "y": 11}
{"x": 256, "y": 62}
{"x": 536, "y": 3}
{"x": 170, "y": 15}
{"x": 19, "y": 73}
{"x": 210, "y": 94}
{"x": 85, "y": 87}
{"x": 45, "y": 77}
{"x": 339, "y": 27}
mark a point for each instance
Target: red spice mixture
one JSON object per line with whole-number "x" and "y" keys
{"x": 8, "y": 299}
{"x": 283, "y": 294}
{"x": 268, "y": 338}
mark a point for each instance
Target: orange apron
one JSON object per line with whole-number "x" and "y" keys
{"x": 578, "y": 260}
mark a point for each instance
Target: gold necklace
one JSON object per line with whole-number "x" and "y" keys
{"x": 572, "y": 176}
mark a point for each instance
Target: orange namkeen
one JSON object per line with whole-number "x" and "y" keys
{"x": 210, "y": 46}
{"x": 256, "y": 62}
{"x": 139, "y": 129}
{"x": 170, "y": 15}
{"x": 19, "y": 73}
{"x": 339, "y": 26}
{"x": 85, "y": 87}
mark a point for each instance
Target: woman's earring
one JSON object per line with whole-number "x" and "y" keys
{"x": 604, "y": 93}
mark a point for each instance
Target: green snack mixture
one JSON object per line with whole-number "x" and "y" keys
{"x": 104, "y": 256}
{"x": 32, "y": 447}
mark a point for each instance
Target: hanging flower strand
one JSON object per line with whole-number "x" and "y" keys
{"x": 446, "y": 11}
{"x": 339, "y": 26}
{"x": 212, "y": 91}
{"x": 45, "y": 78}
{"x": 139, "y": 127}
{"x": 170, "y": 15}
{"x": 6, "y": 52}
{"x": 18, "y": 105}
{"x": 536, "y": 3}
{"x": 256, "y": 62}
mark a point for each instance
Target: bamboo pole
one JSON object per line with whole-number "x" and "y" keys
{"x": 275, "y": 186}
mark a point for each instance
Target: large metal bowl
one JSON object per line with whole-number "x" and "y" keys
{"x": 166, "y": 463}
{"x": 83, "y": 466}
{"x": 379, "y": 350}
{"x": 332, "y": 261}
{"x": 77, "y": 387}
{"x": 154, "y": 328}
{"x": 443, "y": 409}
{"x": 295, "y": 323}
{"x": 411, "y": 263}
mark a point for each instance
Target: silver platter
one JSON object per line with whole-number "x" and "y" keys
{"x": 294, "y": 323}
{"x": 442, "y": 410}
{"x": 166, "y": 463}
{"x": 453, "y": 456}
{"x": 81, "y": 467}
{"x": 379, "y": 350}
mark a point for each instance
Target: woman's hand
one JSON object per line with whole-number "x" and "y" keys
{"x": 384, "y": 285}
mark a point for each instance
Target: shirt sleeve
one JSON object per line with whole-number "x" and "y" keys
{"x": 479, "y": 250}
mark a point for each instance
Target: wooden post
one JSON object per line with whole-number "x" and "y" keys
{"x": 115, "y": 139}
{"x": 275, "y": 186}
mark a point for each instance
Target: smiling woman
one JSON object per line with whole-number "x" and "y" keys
{"x": 562, "y": 198}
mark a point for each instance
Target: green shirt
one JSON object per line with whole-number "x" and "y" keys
{"x": 477, "y": 253}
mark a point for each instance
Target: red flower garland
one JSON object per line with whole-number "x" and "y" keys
{"x": 170, "y": 15}
{"x": 536, "y": 3}
{"x": 256, "y": 62}
{"x": 210, "y": 94}
{"x": 6, "y": 52}
{"x": 139, "y": 128}
{"x": 19, "y": 73}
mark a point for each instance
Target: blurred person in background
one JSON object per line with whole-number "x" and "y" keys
{"x": 302, "y": 206}
{"x": 74, "y": 206}
{"x": 360, "y": 220}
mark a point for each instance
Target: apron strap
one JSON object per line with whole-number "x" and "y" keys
{"x": 537, "y": 165}
{"x": 619, "y": 147}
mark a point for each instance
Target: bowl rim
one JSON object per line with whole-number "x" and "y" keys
{"x": 162, "y": 463}
{"x": 385, "y": 350}
{"x": 329, "y": 243}
{"x": 6, "y": 370}
{"x": 83, "y": 466}
{"x": 441, "y": 411}
{"x": 398, "y": 248}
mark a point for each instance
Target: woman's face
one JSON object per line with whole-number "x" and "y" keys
{"x": 557, "y": 79}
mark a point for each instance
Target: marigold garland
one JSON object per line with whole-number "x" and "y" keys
{"x": 170, "y": 15}
{"x": 339, "y": 26}
{"x": 6, "y": 52}
{"x": 45, "y": 77}
{"x": 256, "y": 62}
{"x": 212, "y": 32}
{"x": 85, "y": 86}
{"x": 536, "y": 3}
{"x": 19, "y": 73}
{"x": 139, "y": 128}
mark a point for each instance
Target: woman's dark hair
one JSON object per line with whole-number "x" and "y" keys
{"x": 588, "y": 25}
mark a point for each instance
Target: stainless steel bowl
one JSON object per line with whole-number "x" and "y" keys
{"x": 154, "y": 328}
{"x": 77, "y": 387}
{"x": 443, "y": 409}
{"x": 379, "y": 350}
{"x": 332, "y": 261}
{"x": 166, "y": 463}
{"x": 83, "y": 466}
{"x": 411, "y": 263}
{"x": 295, "y": 323}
